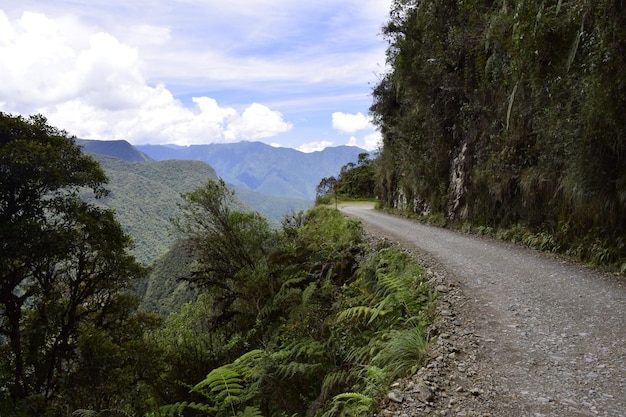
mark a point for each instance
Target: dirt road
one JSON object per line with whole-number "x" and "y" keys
{"x": 550, "y": 336}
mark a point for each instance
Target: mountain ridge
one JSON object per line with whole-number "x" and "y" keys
{"x": 115, "y": 148}
{"x": 263, "y": 168}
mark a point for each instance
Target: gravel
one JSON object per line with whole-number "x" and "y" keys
{"x": 518, "y": 333}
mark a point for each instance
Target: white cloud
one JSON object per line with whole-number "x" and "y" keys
{"x": 370, "y": 142}
{"x": 373, "y": 141}
{"x": 256, "y": 122}
{"x": 111, "y": 70}
{"x": 351, "y": 123}
{"x": 99, "y": 90}
{"x": 314, "y": 146}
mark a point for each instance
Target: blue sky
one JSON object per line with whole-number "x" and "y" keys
{"x": 285, "y": 72}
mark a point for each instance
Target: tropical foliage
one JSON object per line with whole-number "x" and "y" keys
{"x": 70, "y": 335}
{"x": 306, "y": 320}
{"x": 509, "y": 114}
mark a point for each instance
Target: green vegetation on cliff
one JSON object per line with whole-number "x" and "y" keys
{"x": 509, "y": 114}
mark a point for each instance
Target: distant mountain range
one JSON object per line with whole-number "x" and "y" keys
{"x": 262, "y": 168}
{"x": 255, "y": 166}
{"x": 144, "y": 194}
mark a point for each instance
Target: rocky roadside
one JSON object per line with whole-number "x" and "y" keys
{"x": 451, "y": 384}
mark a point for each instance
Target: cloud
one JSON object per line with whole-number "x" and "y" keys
{"x": 314, "y": 146}
{"x": 187, "y": 72}
{"x": 373, "y": 141}
{"x": 256, "y": 122}
{"x": 370, "y": 142}
{"x": 99, "y": 90}
{"x": 351, "y": 123}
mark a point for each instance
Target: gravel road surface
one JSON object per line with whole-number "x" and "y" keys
{"x": 521, "y": 333}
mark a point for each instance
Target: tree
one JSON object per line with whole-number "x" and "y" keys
{"x": 357, "y": 180}
{"x": 325, "y": 188}
{"x": 64, "y": 263}
{"x": 229, "y": 247}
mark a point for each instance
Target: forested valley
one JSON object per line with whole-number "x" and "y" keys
{"x": 309, "y": 318}
{"x": 507, "y": 117}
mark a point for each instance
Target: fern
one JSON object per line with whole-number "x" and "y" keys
{"x": 357, "y": 313}
{"x": 177, "y": 409}
{"x": 102, "y": 413}
{"x": 308, "y": 292}
{"x": 350, "y": 404}
{"x": 300, "y": 368}
{"x": 304, "y": 348}
{"x": 391, "y": 283}
{"x": 250, "y": 412}
{"x": 224, "y": 385}
{"x": 335, "y": 380}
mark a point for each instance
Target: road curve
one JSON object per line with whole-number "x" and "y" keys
{"x": 554, "y": 332}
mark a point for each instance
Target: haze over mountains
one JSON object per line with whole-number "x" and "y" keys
{"x": 145, "y": 186}
{"x": 260, "y": 167}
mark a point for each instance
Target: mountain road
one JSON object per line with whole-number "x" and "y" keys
{"x": 547, "y": 336}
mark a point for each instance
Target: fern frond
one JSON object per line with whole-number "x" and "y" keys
{"x": 308, "y": 292}
{"x": 391, "y": 283}
{"x": 335, "y": 379}
{"x": 376, "y": 380}
{"x": 249, "y": 359}
{"x": 223, "y": 383}
{"x": 292, "y": 368}
{"x": 101, "y": 413}
{"x": 177, "y": 409}
{"x": 250, "y": 412}
{"x": 304, "y": 348}
{"x": 85, "y": 413}
{"x": 351, "y": 404}
{"x": 356, "y": 313}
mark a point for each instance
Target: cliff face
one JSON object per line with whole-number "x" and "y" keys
{"x": 504, "y": 113}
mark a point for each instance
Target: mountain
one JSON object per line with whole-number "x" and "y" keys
{"x": 144, "y": 193}
{"x": 144, "y": 196}
{"x": 115, "y": 148}
{"x": 259, "y": 167}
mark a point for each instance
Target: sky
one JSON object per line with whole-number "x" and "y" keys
{"x": 291, "y": 73}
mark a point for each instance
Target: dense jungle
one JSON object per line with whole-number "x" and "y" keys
{"x": 508, "y": 117}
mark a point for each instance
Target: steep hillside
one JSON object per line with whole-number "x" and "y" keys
{"x": 259, "y": 167}
{"x": 163, "y": 294}
{"x": 144, "y": 196}
{"x": 509, "y": 115}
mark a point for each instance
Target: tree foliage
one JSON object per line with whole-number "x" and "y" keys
{"x": 64, "y": 272}
{"x": 505, "y": 113}
{"x": 355, "y": 180}
{"x": 288, "y": 342}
